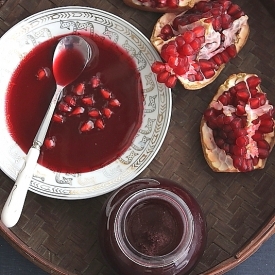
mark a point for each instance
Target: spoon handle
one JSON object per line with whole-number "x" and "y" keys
{"x": 13, "y": 207}
{"x": 14, "y": 204}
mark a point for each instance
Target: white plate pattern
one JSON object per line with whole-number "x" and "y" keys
{"x": 25, "y": 35}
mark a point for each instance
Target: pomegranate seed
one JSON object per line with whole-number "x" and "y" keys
{"x": 158, "y": 67}
{"x": 225, "y": 56}
{"x": 240, "y": 110}
{"x": 70, "y": 100}
{"x": 216, "y": 11}
{"x": 268, "y": 122}
{"x": 238, "y": 15}
{"x": 171, "y": 50}
{"x": 233, "y": 9}
{"x": 263, "y": 144}
{"x": 239, "y": 150}
{"x": 179, "y": 21}
{"x": 253, "y": 81}
{"x": 254, "y": 102}
{"x": 94, "y": 113}
{"x": 186, "y": 50}
{"x": 58, "y": 118}
{"x": 196, "y": 45}
{"x": 199, "y": 31}
{"x": 172, "y": 4}
{"x": 105, "y": 93}
{"x": 191, "y": 77}
{"x": 64, "y": 107}
{"x": 243, "y": 95}
{"x": 50, "y": 142}
{"x": 107, "y": 112}
{"x": 240, "y": 85}
{"x": 255, "y": 161}
{"x": 217, "y": 23}
{"x": 226, "y": 147}
{"x": 77, "y": 111}
{"x": 163, "y": 76}
{"x": 79, "y": 89}
{"x": 218, "y": 59}
{"x": 249, "y": 164}
{"x": 236, "y": 123}
{"x": 43, "y": 73}
{"x": 114, "y": 102}
{"x": 226, "y": 21}
{"x": 199, "y": 76}
{"x": 232, "y": 91}
{"x": 228, "y": 119}
{"x": 220, "y": 142}
{"x": 262, "y": 98}
{"x": 188, "y": 36}
{"x": 225, "y": 4}
{"x": 265, "y": 129}
{"x": 231, "y": 50}
{"x": 263, "y": 153}
{"x": 226, "y": 128}
{"x": 209, "y": 73}
{"x": 237, "y": 161}
{"x": 258, "y": 136}
{"x": 179, "y": 40}
{"x": 171, "y": 81}
{"x": 167, "y": 30}
{"x": 220, "y": 120}
{"x": 95, "y": 81}
{"x": 206, "y": 64}
{"x": 99, "y": 124}
{"x": 87, "y": 126}
{"x": 173, "y": 61}
{"x": 238, "y": 132}
{"x": 253, "y": 92}
{"x": 242, "y": 141}
{"x": 88, "y": 100}
{"x": 209, "y": 113}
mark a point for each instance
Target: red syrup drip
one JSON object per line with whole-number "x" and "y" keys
{"x": 28, "y": 98}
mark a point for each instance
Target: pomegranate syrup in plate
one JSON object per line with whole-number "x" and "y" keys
{"x": 95, "y": 121}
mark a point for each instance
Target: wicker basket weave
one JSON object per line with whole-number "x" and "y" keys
{"x": 61, "y": 236}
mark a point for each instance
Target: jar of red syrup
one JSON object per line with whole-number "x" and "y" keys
{"x": 152, "y": 226}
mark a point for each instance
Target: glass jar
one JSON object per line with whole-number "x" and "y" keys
{"x": 152, "y": 226}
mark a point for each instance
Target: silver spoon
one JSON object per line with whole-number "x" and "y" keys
{"x": 68, "y": 47}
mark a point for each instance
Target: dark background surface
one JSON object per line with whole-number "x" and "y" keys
{"x": 260, "y": 263}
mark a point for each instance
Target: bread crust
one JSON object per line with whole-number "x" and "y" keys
{"x": 211, "y": 151}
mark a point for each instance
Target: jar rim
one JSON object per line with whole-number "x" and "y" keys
{"x": 176, "y": 255}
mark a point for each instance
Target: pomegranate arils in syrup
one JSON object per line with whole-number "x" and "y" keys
{"x": 87, "y": 126}
{"x": 186, "y": 39}
{"x": 49, "y": 142}
{"x": 43, "y": 73}
{"x": 241, "y": 138}
{"x": 91, "y": 109}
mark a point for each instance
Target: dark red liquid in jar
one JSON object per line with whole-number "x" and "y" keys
{"x": 152, "y": 226}
{"x": 68, "y": 65}
{"x": 28, "y": 98}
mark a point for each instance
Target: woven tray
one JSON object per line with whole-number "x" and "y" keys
{"x": 61, "y": 236}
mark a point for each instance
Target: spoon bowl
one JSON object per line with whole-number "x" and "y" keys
{"x": 70, "y": 58}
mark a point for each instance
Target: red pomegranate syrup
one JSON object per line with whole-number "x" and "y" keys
{"x": 95, "y": 122}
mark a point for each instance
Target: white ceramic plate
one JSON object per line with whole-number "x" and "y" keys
{"x": 35, "y": 29}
